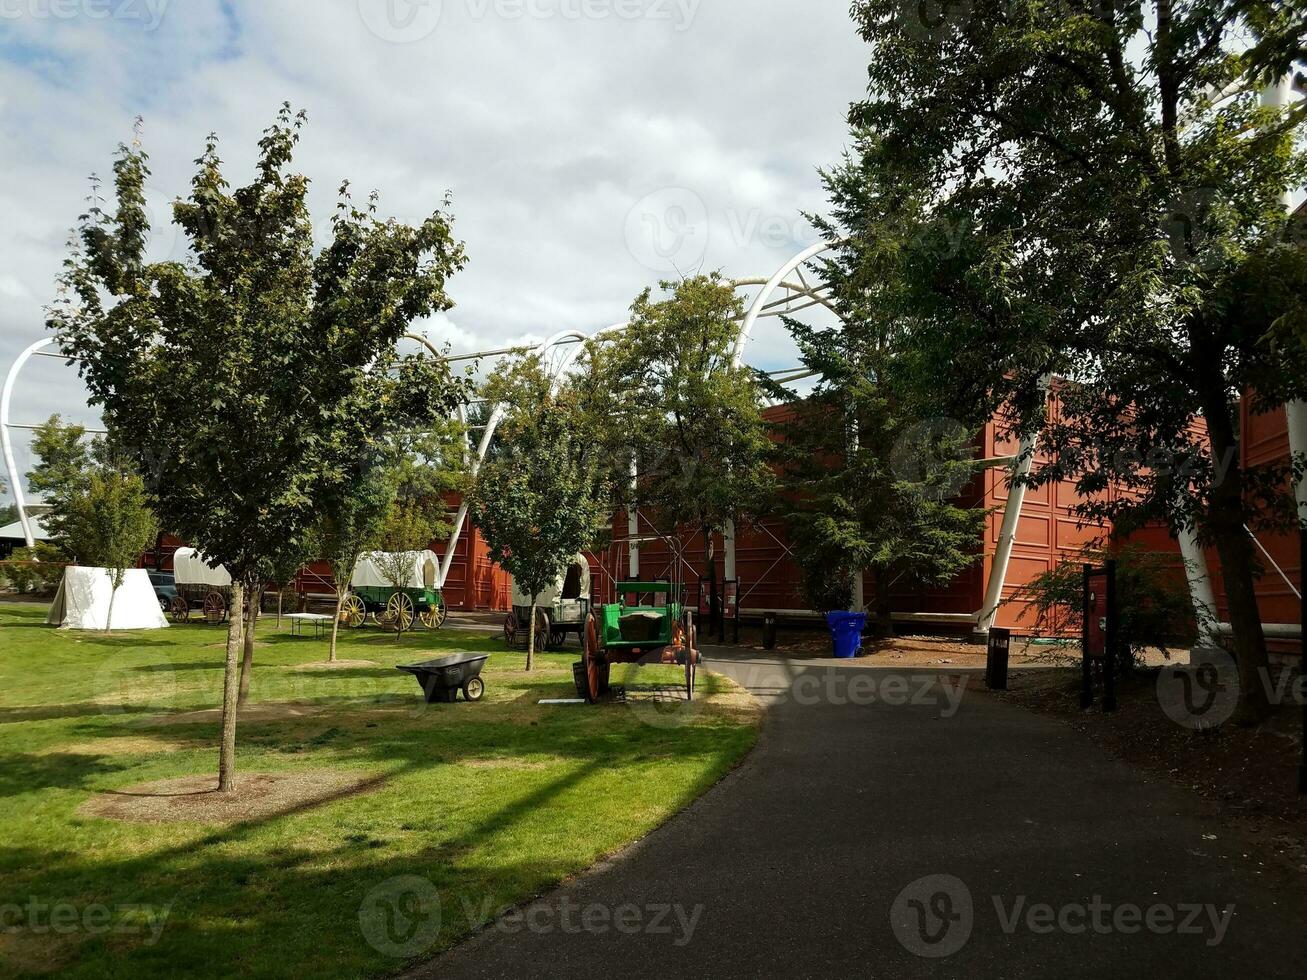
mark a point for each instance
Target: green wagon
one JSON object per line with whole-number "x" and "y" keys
{"x": 372, "y": 594}
{"x": 648, "y": 625}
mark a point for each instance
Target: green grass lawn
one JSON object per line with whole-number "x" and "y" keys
{"x": 491, "y": 803}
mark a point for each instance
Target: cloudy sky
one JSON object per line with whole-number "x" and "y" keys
{"x": 591, "y": 146}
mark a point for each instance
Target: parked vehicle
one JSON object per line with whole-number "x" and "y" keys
{"x": 560, "y": 609}
{"x": 648, "y": 625}
{"x": 372, "y": 594}
{"x": 165, "y": 588}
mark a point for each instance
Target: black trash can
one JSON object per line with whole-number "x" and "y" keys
{"x": 769, "y": 631}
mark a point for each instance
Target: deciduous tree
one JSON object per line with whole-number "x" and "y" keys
{"x": 245, "y": 378}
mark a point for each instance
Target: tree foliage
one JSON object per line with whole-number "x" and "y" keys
{"x": 1066, "y": 198}
{"x": 245, "y": 378}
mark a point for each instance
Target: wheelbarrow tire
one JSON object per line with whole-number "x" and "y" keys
{"x": 592, "y": 658}
{"x": 474, "y": 689}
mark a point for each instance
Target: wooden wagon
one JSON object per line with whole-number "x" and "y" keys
{"x": 372, "y": 594}
{"x": 648, "y": 625}
{"x": 200, "y": 586}
{"x": 560, "y": 609}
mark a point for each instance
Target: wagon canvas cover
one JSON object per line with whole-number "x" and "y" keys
{"x": 367, "y": 574}
{"x": 549, "y": 597}
{"x": 192, "y": 568}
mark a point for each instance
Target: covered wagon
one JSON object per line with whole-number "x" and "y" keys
{"x": 560, "y": 609}
{"x": 199, "y": 585}
{"x": 416, "y": 600}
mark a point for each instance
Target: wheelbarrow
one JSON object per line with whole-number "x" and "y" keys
{"x": 443, "y": 678}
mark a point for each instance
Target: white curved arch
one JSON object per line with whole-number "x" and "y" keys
{"x": 763, "y": 298}
{"x": 15, "y": 478}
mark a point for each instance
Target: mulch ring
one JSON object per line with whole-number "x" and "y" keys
{"x": 195, "y": 799}
{"x": 1247, "y": 775}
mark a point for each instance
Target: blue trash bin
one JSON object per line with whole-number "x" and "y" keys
{"x": 846, "y": 632}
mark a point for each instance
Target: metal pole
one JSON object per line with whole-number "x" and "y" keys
{"x": 1200, "y": 592}
{"x": 15, "y": 478}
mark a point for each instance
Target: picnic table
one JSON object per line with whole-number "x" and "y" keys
{"x": 319, "y": 622}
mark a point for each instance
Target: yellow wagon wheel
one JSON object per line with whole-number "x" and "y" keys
{"x": 353, "y": 614}
{"x": 434, "y": 616}
{"x": 399, "y": 612}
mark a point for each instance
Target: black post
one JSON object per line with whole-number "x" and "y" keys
{"x": 996, "y": 663}
{"x": 1086, "y": 675}
{"x": 769, "y": 631}
{"x": 1302, "y": 662}
{"x": 1109, "y": 665}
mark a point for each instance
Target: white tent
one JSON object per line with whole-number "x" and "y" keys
{"x": 192, "y": 568}
{"x": 367, "y": 574}
{"x": 82, "y": 602}
{"x": 573, "y": 583}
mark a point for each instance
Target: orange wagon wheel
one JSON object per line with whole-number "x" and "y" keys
{"x": 593, "y": 659}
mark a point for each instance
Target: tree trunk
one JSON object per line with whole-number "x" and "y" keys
{"x": 247, "y": 662}
{"x": 335, "y": 625}
{"x": 531, "y": 639}
{"x": 113, "y": 594}
{"x": 231, "y": 689}
{"x": 1234, "y": 550}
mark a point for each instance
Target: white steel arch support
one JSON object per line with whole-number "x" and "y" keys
{"x": 11, "y": 467}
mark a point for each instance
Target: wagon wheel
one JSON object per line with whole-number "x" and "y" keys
{"x": 353, "y": 613}
{"x": 433, "y": 617}
{"x": 592, "y": 657}
{"x": 399, "y": 612}
{"x": 179, "y": 609}
{"x": 543, "y": 631}
{"x": 215, "y": 608}
{"x": 510, "y": 630}
{"x": 474, "y": 689}
{"x": 557, "y": 638}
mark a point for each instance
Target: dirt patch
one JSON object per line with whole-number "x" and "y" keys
{"x": 250, "y": 713}
{"x": 338, "y": 665}
{"x": 195, "y": 799}
{"x": 1248, "y": 776}
{"x": 127, "y": 745}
